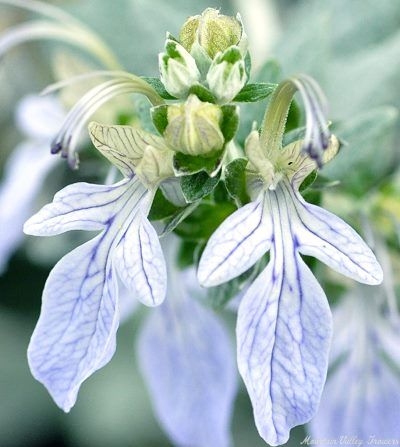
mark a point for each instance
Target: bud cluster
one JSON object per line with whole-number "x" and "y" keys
{"x": 206, "y": 68}
{"x": 210, "y": 52}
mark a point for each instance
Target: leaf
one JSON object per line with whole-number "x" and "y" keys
{"x": 235, "y": 180}
{"x": 203, "y": 221}
{"x": 202, "y": 93}
{"x": 219, "y": 296}
{"x": 230, "y": 121}
{"x": 370, "y": 153}
{"x": 190, "y": 164}
{"x": 247, "y": 64}
{"x": 178, "y": 217}
{"x": 158, "y": 87}
{"x": 196, "y": 186}
{"x": 308, "y": 181}
{"x": 254, "y": 92}
{"x": 161, "y": 207}
{"x": 159, "y": 115}
{"x": 269, "y": 72}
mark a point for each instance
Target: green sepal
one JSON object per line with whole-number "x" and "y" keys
{"x": 204, "y": 220}
{"x": 185, "y": 164}
{"x": 159, "y": 116}
{"x": 202, "y": 93}
{"x": 255, "y": 92}
{"x": 235, "y": 181}
{"x": 158, "y": 87}
{"x": 230, "y": 121}
{"x": 161, "y": 208}
{"x": 196, "y": 186}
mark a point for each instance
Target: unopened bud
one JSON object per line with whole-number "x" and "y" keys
{"x": 178, "y": 69}
{"x": 227, "y": 75}
{"x": 212, "y": 31}
{"x": 194, "y": 127}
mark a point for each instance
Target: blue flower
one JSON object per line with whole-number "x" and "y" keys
{"x": 28, "y": 165}
{"x": 366, "y": 358}
{"x": 187, "y": 361}
{"x": 284, "y": 323}
{"x": 75, "y": 334}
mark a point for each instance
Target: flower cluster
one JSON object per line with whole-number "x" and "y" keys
{"x": 183, "y": 170}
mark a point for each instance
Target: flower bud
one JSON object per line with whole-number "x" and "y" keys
{"x": 194, "y": 127}
{"x": 227, "y": 75}
{"x": 178, "y": 69}
{"x": 212, "y": 31}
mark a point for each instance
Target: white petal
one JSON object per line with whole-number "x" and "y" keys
{"x": 140, "y": 262}
{"x": 237, "y": 244}
{"x": 80, "y": 206}
{"x": 75, "y": 334}
{"x": 283, "y": 333}
{"x": 325, "y": 236}
{"x": 40, "y": 117}
{"x": 188, "y": 364}
{"x": 24, "y": 173}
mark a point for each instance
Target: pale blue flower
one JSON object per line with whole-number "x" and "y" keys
{"x": 75, "y": 334}
{"x": 188, "y": 364}
{"x": 284, "y": 322}
{"x": 39, "y": 118}
{"x": 366, "y": 359}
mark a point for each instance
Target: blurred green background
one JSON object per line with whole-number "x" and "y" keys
{"x": 352, "y": 47}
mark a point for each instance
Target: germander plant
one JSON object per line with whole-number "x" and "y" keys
{"x": 240, "y": 219}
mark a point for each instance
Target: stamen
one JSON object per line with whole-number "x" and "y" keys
{"x": 58, "y": 25}
{"x": 67, "y": 138}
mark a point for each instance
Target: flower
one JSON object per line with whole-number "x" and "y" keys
{"x": 75, "y": 334}
{"x": 366, "y": 357}
{"x": 187, "y": 361}
{"x": 27, "y": 168}
{"x": 284, "y": 322}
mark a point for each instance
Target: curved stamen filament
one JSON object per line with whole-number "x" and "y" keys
{"x": 67, "y": 138}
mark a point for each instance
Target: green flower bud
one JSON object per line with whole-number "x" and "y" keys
{"x": 194, "y": 127}
{"x": 178, "y": 69}
{"x": 212, "y": 31}
{"x": 227, "y": 75}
